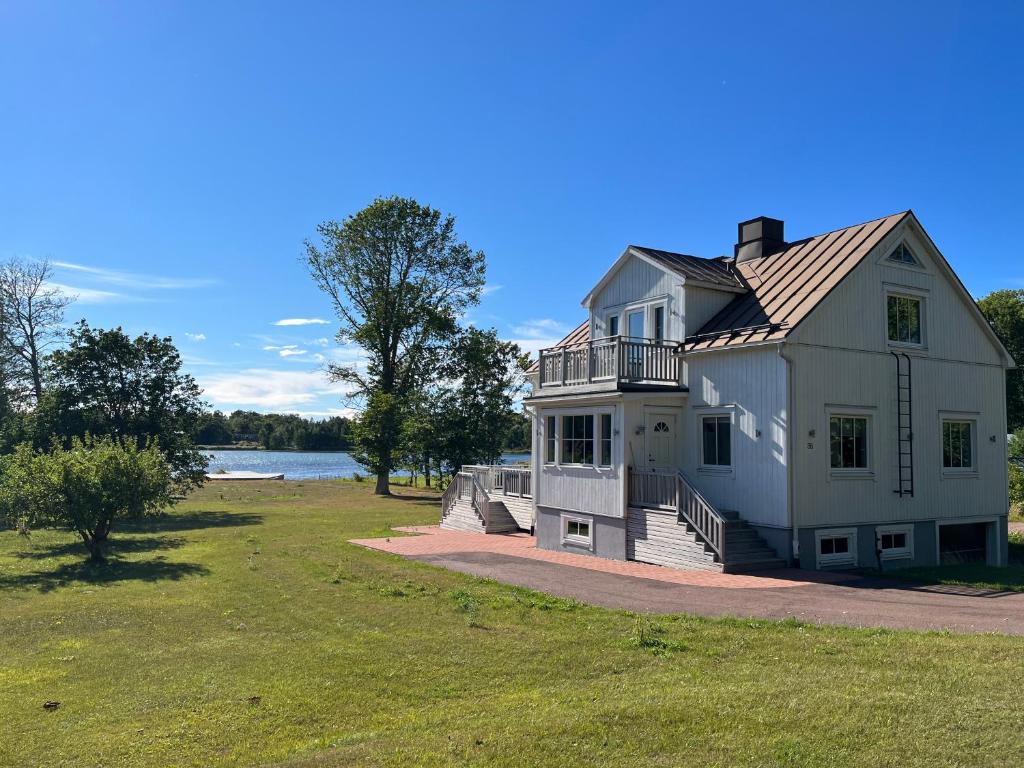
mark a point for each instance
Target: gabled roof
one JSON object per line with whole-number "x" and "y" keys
{"x": 696, "y": 268}
{"x": 575, "y": 336}
{"x": 785, "y": 287}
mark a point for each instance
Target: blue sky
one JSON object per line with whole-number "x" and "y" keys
{"x": 171, "y": 158}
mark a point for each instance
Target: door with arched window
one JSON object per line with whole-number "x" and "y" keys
{"x": 660, "y": 439}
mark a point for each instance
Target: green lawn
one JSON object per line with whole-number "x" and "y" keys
{"x": 242, "y": 629}
{"x": 1009, "y": 579}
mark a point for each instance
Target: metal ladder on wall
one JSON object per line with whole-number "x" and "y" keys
{"x": 904, "y": 425}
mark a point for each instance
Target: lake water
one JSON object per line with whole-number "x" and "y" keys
{"x": 303, "y": 465}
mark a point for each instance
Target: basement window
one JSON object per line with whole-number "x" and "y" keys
{"x": 837, "y": 547}
{"x": 576, "y": 530}
{"x": 895, "y": 541}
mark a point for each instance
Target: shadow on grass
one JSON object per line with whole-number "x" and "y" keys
{"x": 190, "y": 521}
{"x": 118, "y": 545}
{"x": 99, "y": 574}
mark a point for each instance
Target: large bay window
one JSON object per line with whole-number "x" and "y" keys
{"x": 578, "y": 439}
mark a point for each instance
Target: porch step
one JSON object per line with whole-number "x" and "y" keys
{"x": 462, "y": 517}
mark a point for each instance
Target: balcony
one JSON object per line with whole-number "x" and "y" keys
{"x": 613, "y": 363}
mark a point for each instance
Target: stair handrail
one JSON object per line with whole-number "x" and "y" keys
{"x": 702, "y": 515}
{"x": 454, "y": 490}
{"x": 479, "y": 497}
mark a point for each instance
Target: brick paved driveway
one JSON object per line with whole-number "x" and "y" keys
{"x": 805, "y": 595}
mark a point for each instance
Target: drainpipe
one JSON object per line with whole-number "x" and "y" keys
{"x": 535, "y": 449}
{"x": 786, "y": 355}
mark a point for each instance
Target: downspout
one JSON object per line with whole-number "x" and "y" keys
{"x": 535, "y": 448}
{"x": 785, "y": 354}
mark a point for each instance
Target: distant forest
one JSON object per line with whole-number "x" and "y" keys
{"x": 280, "y": 431}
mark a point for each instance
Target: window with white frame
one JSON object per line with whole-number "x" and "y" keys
{"x": 837, "y": 547}
{"x": 605, "y": 459}
{"x": 716, "y": 440}
{"x": 577, "y": 530}
{"x": 578, "y": 439}
{"x": 550, "y": 440}
{"x": 957, "y": 445}
{"x": 848, "y": 442}
{"x": 903, "y": 255}
{"x": 613, "y": 325}
{"x": 895, "y": 541}
{"x": 659, "y": 323}
{"x": 903, "y": 315}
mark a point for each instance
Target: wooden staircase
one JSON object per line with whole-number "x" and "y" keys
{"x": 466, "y": 506}
{"x": 670, "y": 523}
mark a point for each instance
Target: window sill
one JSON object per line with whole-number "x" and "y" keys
{"x": 851, "y": 474}
{"x": 715, "y": 470}
{"x": 836, "y": 561}
{"x": 907, "y": 345}
{"x": 966, "y": 474}
{"x": 568, "y": 541}
{"x": 897, "y": 555}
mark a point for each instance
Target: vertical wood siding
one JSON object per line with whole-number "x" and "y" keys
{"x": 959, "y": 371}
{"x": 752, "y": 384}
{"x": 635, "y": 282}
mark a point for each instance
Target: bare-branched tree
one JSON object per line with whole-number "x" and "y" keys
{"x": 31, "y": 317}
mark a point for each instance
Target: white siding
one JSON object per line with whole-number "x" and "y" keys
{"x": 637, "y": 282}
{"x": 841, "y": 358}
{"x": 597, "y": 491}
{"x": 751, "y": 385}
{"x": 831, "y": 379}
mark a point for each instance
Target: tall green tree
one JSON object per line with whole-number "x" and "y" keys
{"x": 399, "y": 278}
{"x": 1004, "y": 311}
{"x": 106, "y": 383}
{"x": 475, "y": 408}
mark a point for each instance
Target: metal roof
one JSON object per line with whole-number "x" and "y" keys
{"x": 575, "y": 336}
{"x": 713, "y": 271}
{"x": 785, "y": 287}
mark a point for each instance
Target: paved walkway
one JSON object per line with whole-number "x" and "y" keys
{"x": 809, "y": 596}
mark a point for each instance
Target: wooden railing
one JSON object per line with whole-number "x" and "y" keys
{"x": 612, "y": 359}
{"x": 459, "y": 488}
{"x": 669, "y": 489}
{"x": 502, "y": 480}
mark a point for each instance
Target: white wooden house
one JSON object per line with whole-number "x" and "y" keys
{"x": 833, "y": 401}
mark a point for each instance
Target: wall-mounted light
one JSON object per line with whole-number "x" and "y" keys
{"x": 640, "y": 429}
{"x": 992, "y": 439}
{"x": 812, "y": 433}
{"x": 757, "y": 433}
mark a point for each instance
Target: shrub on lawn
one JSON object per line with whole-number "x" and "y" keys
{"x": 87, "y": 487}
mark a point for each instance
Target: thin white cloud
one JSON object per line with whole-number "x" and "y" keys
{"x": 302, "y": 321}
{"x": 543, "y": 328}
{"x": 197, "y": 337}
{"x": 348, "y": 413}
{"x": 292, "y": 352}
{"x": 133, "y": 279}
{"x": 91, "y": 295}
{"x": 321, "y": 342}
{"x": 487, "y": 290}
{"x": 268, "y": 388}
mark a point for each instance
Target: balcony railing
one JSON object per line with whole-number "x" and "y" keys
{"x": 613, "y": 360}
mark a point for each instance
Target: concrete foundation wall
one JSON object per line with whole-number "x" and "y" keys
{"x": 608, "y": 534}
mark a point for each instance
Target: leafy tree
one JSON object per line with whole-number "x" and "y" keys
{"x": 475, "y": 409}
{"x": 519, "y": 436}
{"x": 31, "y": 314}
{"x": 87, "y": 487}
{"x": 398, "y": 278}
{"x": 1004, "y": 311}
{"x": 105, "y": 383}
{"x": 212, "y": 429}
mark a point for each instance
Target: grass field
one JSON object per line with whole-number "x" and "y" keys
{"x": 242, "y": 629}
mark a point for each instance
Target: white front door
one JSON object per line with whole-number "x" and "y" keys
{"x": 660, "y": 439}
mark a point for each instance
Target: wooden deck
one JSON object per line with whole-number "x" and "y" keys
{"x": 616, "y": 363}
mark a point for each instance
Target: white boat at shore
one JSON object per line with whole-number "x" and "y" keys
{"x": 245, "y": 476}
